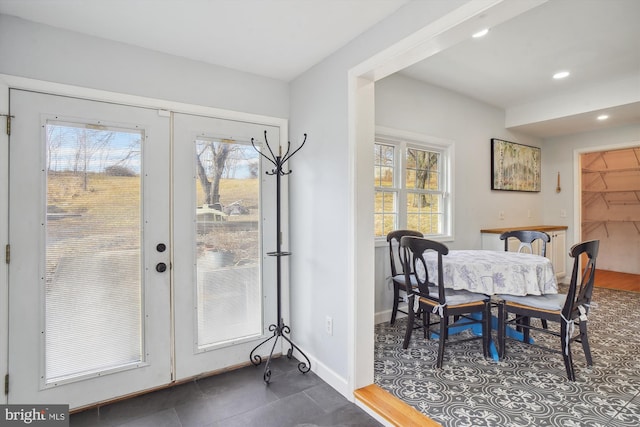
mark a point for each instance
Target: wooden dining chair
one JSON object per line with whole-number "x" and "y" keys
{"x": 527, "y": 239}
{"x": 568, "y": 309}
{"x": 434, "y": 298}
{"x": 397, "y": 274}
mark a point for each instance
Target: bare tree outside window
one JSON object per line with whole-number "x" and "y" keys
{"x": 211, "y": 161}
{"x": 227, "y": 210}
{"x": 422, "y": 172}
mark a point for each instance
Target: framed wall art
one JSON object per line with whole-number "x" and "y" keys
{"x": 514, "y": 167}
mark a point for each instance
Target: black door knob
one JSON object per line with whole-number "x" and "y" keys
{"x": 161, "y": 247}
{"x": 161, "y": 267}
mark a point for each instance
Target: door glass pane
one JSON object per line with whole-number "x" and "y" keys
{"x": 93, "y": 275}
{"x": 228, "y": 241}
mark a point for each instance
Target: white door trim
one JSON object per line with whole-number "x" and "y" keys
{"x": 17, "y": 82}
{"x": 4, "y": 235}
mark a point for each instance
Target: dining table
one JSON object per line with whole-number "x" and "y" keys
{"x": 493, "y": 273}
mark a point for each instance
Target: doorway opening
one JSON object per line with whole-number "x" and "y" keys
{"x": 610, "y": 212}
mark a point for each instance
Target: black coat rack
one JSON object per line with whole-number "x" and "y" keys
{"x": 280, "y": 328}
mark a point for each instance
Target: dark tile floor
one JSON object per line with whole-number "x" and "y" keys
{"x": 236, "y": 398}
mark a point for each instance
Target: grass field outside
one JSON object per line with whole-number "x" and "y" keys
{"x": 424, "y": 211}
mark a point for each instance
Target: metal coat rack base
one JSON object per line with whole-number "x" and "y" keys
{"x": 279, "y": 330}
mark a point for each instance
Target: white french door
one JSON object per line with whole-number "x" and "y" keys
{"x": 136, "y": 260}
{"x": 224, "y": 286}
{"x": 89, "y": 201}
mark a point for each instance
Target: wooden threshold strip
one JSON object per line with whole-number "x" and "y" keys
{"x": 392, "y": 409}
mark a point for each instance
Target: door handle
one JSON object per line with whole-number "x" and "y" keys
{"x": 161, "y": 267}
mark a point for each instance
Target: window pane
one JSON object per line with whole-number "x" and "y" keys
{"x": 228, "y": 241}
{"x": 386, "y": 177}
{"x": 433, "y": 183}
{"x": 410, "y": 178}
{"x": 384, "y": 165}
{"x": 384, "y": 223}
{"x": 422, "y": 169}
{"x": 387, "y": 155}
{"x": 385, "y": 216}
{"x": 93, "y": 294}
{"x": 385, "y": 202}
{"x": 424, "y": 213}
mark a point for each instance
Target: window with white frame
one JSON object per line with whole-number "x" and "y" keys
{"x": 412, "y": 184}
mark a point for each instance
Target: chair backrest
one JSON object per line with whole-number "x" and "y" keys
{"x": 526, "y": 238}
{"x": 415, "y": 248}
{"x": 581, "y": 285}
{"x": 395, "y": 252}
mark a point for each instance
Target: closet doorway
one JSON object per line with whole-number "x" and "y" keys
{"x": 611, "y": 213}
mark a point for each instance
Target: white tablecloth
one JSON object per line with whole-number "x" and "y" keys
{"x": 495, "y": 272}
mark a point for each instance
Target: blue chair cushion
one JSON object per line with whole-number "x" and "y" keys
{"x": 553, "y": 302}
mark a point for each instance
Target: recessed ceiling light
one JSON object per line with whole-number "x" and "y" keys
{"x": 561, "y": 75}
{"x": 481, "y": 33}
{"x": 603, "y": 117}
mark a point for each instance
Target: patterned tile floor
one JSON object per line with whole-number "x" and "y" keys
{"x": 529, "y": 387}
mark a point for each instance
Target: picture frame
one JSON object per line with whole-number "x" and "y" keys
{"x": 515, "y": 167}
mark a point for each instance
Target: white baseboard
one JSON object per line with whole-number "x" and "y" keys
{"x": 340, "y": 384}
{"x": 329, "y": 376}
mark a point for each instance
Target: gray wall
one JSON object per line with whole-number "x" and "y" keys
{"x": 46, "y": 53}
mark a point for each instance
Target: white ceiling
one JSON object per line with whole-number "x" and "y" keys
{"x": 513, "y": 64}
{"x": 597, "y": 40}
{"x": 273, "y": 38}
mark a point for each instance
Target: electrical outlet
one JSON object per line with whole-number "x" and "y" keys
{"x": 328, "y": 325}
{"x": 501, "y": 215}
{"x": 563, "y": 213}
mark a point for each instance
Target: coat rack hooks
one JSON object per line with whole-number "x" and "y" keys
{"x": 279, "y": 160}
{"x": 280, "y": 328}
